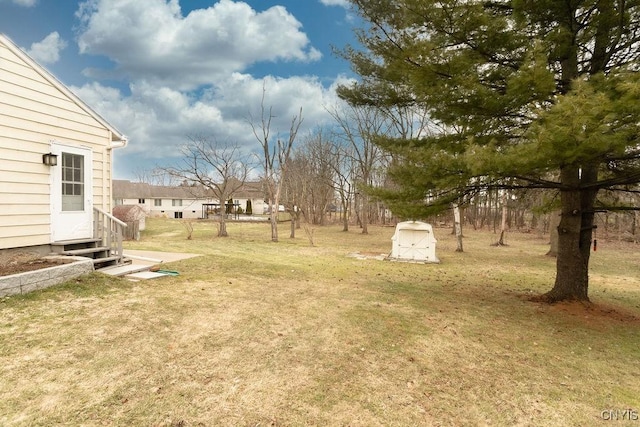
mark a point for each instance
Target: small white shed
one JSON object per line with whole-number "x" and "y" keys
{"x": 135, "y": 218}
{"x": 414, "y": 241}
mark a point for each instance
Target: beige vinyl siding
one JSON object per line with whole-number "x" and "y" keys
{"x": 21, "y": 241}
{"x": 33, "y": 113}
{"x": 22, "y": 209}
{"x": 32, "y": 230}
{"x": 24, "y": 193}
{"x": 102, "y": 180}
{"x": 56, "y": 126}
{"x": 13, "y": 198}
{"x": 10, "y": 221}
{"x": 28, "y": 168}
{"x": 21, "y": 151}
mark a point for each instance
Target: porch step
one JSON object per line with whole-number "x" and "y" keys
{"x": 109, "y": 261}
{"x": 68, "y": 247}
{"x": 74, "y": 241}
{"x": 85, "y": 251}
{"x": 90, "y": 248}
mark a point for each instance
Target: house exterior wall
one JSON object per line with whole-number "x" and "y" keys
{"x": 33, "y": 113}
{"x": 157, "y": 200}
{"x": 191, "y": 209}
{"x": 258, "y": 206}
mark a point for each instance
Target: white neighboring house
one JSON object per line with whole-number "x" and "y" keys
{"x": 182, "y": 202}
{"x": 56, "y": 157}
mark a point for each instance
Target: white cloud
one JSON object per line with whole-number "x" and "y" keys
{"x": 187, "y": 75}
{"x": 159, "y": 120}
{"x": 343, "y": 3}
{"x": 48, "y": 50}
{"x": 152, "y": 40}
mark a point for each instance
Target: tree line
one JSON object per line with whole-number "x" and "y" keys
{"x": 526, "y": 111}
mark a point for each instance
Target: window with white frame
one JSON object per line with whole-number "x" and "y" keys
{"x": 72, "y": 182}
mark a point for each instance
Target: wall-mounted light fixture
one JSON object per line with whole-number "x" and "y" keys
{"x": 50, "y": 159}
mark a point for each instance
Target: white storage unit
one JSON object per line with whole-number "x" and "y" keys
{"x": 414, "y": 241}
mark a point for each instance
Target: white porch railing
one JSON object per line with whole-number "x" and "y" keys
{"x": 110, "y": 230}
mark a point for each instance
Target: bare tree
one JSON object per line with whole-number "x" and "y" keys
{"x": 357, "y": 124}
{"x": 308, "y": 187}
{"x": 343, "y": 183}
{"x": 155, "y": 176}
{"x": 217, "y": 168}
{"x": 295, "y": 187}
{"x": 275, "y": 158}
{"x": 308, "y": 190}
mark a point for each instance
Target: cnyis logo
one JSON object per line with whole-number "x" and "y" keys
{"x": 620, "y": 415}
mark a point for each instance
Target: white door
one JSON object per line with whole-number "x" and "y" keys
{"x": 71, "y": 193}
{"x": 413, "y": 244}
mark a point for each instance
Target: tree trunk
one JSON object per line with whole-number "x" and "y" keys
{"x": 574, "y": 235}
{"x": 345, "y": 221}
{"x": 274, "y": 223}
{"x": 222, "y": 231}
{"x": 275, "y": 211}
{"x": 503, "y": 222}
{"x": 457, "y": 225}
{"x": 473, "y": 220}
{"x": 495, "y": 214}
{"x": 273, "y": 218}
{"x": 364, "y": 214}
{"x": 356, "y": 210}
{"x": 344, "y": 211}
{"x": 554, "y": 223}
{"x": 486, "y": 211}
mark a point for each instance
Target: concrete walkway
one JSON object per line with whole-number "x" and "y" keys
{"x": 156, "y": 257}
{"x": 142, "y": 261}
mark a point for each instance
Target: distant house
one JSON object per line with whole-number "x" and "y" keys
{"x": 56, "y": 157}
{"x": 183, "y": 201}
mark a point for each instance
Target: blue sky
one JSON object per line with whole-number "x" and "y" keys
{"x": 161, "y": 71}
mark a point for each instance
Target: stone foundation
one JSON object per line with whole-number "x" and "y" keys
{"x": 29, "y": 281}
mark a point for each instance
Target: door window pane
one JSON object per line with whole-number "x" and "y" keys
{"x": 72, "y": 182}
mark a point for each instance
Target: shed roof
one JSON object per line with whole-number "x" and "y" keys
{"x": 128, "y": 212}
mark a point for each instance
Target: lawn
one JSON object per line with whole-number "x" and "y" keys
{"x": 256, "y": 333}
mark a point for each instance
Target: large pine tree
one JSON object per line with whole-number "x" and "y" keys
{"x": 527, "y": 93}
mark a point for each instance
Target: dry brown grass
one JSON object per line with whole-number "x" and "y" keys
{"x": 256, "y": 333}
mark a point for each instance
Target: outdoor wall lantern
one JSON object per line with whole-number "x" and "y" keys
{"x": 50, "y": 159}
